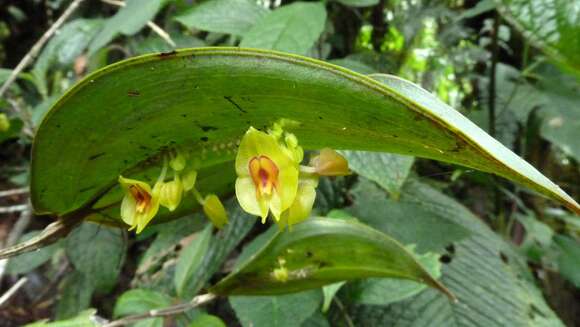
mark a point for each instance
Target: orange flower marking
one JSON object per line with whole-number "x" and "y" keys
{"x": 264, "y": 173}
{"x": 142, "y": 198}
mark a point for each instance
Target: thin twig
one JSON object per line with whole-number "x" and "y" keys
{"x": 169, "y": 311}
{"x": 154, "y": 27}
{"x": 14, "y": 208}
{"x": 49, "y": 235}
{"x": 10, "y": 293}
{"x": 39, "y": 44}
{"x": 14, "y": 191}
{"x": 17, "y": 230}
{"x": 342, "y": 309}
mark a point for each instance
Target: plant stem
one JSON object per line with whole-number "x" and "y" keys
{"x": 169, "y": 311}
{"x": 492, "y": 73}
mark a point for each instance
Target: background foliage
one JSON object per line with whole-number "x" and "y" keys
{"x": 511, "y": 257}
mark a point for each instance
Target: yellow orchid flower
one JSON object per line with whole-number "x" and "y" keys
{"x": 140, "y": 203}
{"x": 267, "y": 175}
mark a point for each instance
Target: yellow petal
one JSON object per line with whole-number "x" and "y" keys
{"x": 302, "y": 206}
{"x": 246, "y": 194}
{"x": 128, "y": 210}
{"x": 144, "y": 218}
{"x": 215, "y": 211}
{"x": 170, "y": 194}
{"x": 127, "y": 182}
{"x": 276, "y": 205}
{"x": 287, "y": 185}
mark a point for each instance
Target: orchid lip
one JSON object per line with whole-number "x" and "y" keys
{"x": 264, "y": 173}
{"x": 141, "y": 196}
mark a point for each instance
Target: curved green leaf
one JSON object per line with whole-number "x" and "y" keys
{"x": 121, "y": 118}
{"x": 321, "y": 252}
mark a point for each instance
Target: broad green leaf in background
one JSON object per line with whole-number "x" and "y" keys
{"x": 276, "y": 311}
{"x": 560, "y": 113}
{"x": 98, "y": 252}
{"x": 28, "y": 261}
{"x": 83, "y": 319}
{"x": 552, "y": 25}
{"x": 75, "y": 295}
{"x": 221, "y": 245}
{"x": 383, "y": 291}
{"x": 408, "y": 223}
{"x": 514, "y": 94}
{"x": 190, "y": 260}
{"x": 204, "y": 99}
{"x": 316, "y": 320}
{"x": 170, "y": 234}
{"x": 137, "y": 301}
{"x": 538, "y": 237}
{"x": 292, "y": 28}
{"x": 205, "y": 320}
{"x": 155, "y": 43}
{"x": 555, "y": 97}
{"x": 314, "y": 254}
{"x": 569, "y": 259}
{"x": 490, "y": 279}
{"x": 223, "y": 16}
{"x": 62, "y": 50}
{"x": 388, "y": 170}
{"x": 128, "y": 21}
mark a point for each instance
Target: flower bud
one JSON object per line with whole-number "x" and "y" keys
{"x": 293, "y": 149}
{"x": 4, "y": 123}
{"x": 215, "y": 211}
{"x": 189, "y": 180}
{"x": 177, "y": 162}
{"x": 171, "y": 193}
{"x": 330, "y": 163}
{"x": 281, "y": 274}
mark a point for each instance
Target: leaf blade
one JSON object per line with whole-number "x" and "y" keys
{"x": 191, "y": 259}
{"x": 313, "y": 254}
{"x": 204, "y": 83}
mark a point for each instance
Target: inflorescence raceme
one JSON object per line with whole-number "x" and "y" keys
{"x": 271, "y": 179}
